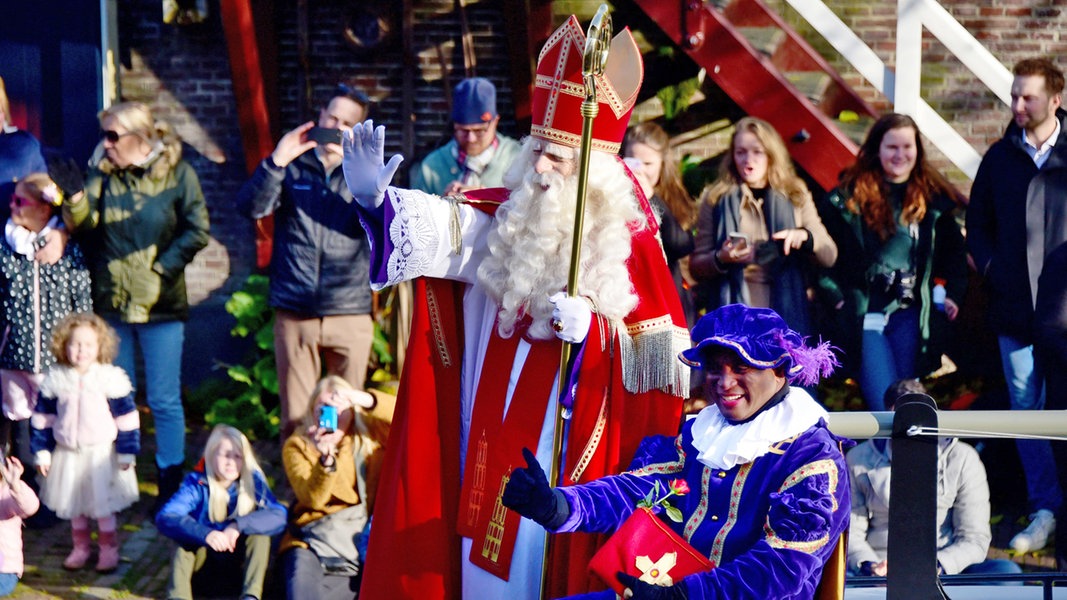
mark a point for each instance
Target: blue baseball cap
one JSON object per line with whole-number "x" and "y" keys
{"x": 474, "y": 101}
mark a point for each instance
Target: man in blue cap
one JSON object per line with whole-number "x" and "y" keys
{"x": 769, "y": 486}
{"x": 476, "y": 156}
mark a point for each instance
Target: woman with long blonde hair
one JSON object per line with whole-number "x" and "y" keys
{"x": 225, "y": 515}
{"x": 142, "y": 219}
{"x": 332, "y": 469}
{"x": 758, "y": 230}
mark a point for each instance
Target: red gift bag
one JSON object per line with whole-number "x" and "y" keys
{"x": 648, "y": 549}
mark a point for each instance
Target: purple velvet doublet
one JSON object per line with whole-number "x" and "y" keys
{"x": 768, "y": 525}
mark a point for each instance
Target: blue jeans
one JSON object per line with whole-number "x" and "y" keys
{"x": 8, "y": 581}
{"x": 1026, "y": 392}
{"x": 160, "y": 345}
{"x": 889, "y": 354}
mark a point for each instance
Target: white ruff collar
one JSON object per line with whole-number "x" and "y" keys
{"x": 722, "y": 445}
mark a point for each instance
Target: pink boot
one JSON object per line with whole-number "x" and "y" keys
{"x": 108, "y": 560}
{"x": 80, "y": 554}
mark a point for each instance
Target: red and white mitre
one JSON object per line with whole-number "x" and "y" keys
{"x": 559, "y": 91}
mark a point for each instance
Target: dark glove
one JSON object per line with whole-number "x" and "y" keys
{"x": 529, "y": 494}
{"x": 647, "y": 591}
{"x": 67, "y": 175}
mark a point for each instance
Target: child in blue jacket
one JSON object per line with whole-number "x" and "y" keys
{"x": 223, "y": 513}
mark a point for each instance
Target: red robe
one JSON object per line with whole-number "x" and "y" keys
{"x": 414, "y": 548}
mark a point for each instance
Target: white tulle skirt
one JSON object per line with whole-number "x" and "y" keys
{"x": 88, "y": 482}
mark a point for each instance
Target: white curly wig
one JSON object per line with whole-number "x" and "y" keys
{"x": 531, "y": 245}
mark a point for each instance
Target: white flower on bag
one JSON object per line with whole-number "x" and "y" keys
{"x": 657, "y": 573}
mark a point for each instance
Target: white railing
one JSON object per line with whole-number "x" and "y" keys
{"x": 904, "y": 91}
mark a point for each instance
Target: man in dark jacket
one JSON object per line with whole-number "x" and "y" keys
{"x": 1016, "y": 216}
{"x": 319, "y": 284}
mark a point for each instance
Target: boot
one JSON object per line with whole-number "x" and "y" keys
{"x": 170, "y": 478}
{"x": 108, "y": 560}
{"x": 80, "y": 554}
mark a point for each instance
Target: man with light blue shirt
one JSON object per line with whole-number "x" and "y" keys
{"x": 1015, "y": 217}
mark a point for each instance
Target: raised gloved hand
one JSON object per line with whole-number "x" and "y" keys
{"x": 639, "y": 590}
{"x": 366, "y": 173}
{"x": 528, "y": 493}
{"x": 571, "y": 317}
{"x": 67, "y": 175}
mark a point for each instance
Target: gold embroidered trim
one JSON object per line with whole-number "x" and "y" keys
{"x": 782, "y": 446}
{"x": 805, "y": 547}
{"x": 666, "y": 467}
{"x": 735, "y": 507}
{"x": 659, "y": 323}
{"x": 701, "y": 511}
{"x": 594, "y": 440}
{"x": 434, "y": 309}
{"x": 820, "y": 467}
{"x": 455, "y": 231}
{"x": 737, "y": 347}
{"x": 574, "y": 141}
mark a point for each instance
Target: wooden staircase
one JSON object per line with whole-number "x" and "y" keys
{"x": 772, "y": 73}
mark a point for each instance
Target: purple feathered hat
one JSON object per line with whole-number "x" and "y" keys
{"x": 763, "y": 340}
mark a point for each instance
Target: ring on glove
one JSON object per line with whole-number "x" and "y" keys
{"x": 557, "y": 325}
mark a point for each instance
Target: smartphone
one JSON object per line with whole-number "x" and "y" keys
{"x": 738, "y": 239}
{"x": 328, "y": 418}
{"x": 324, "y": 135}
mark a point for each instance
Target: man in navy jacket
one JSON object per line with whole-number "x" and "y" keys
{"x": 1015, "y": 217}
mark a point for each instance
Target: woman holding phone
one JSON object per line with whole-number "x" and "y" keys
{"x": 331, "y": 462}
{"x": 758, "y": 229}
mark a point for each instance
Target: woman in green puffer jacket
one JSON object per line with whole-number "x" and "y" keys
{"x": 141, "y": 220}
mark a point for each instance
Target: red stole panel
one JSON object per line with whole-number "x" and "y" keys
{"x": 495, "y": 445}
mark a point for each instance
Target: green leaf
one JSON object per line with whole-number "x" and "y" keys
{"x": 674, "y": 514}
{"x": 239, "y": 373}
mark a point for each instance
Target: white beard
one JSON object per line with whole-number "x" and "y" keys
{"x": 530, "y": 247}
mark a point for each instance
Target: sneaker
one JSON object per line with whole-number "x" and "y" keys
{"x": 1036, "y": 535}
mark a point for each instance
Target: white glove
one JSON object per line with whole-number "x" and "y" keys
{"x": 366, "y": 174}
{"x": 571, "y": 317}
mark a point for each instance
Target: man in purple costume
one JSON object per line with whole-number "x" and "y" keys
{"x": 770, "y": 493}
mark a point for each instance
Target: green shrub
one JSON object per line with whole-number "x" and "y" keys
{"x": 248, "y": 397}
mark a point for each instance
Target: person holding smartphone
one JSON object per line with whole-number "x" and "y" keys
{"x": 319, "y": 271}
{"x": 331, "y": 463}
{"x": 758, "y": 230}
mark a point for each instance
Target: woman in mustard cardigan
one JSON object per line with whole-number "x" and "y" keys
{"x": 333, "y": 472}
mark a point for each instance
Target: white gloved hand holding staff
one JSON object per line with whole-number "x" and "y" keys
{"x": 571, "y": 317}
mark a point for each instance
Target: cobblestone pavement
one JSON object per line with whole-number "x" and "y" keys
{"x": 144, "y": 567}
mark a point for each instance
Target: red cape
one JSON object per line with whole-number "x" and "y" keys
{"x": 414, "y": 551}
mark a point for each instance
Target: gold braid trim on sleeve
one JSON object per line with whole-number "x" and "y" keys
{"x": 826, "y": 467}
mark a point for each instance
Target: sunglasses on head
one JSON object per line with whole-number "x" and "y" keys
{"x": 113, "y": 136}
{"x": 351, "y": 93}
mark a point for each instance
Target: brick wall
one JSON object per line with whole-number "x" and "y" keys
{"x": 436, "y": 28}
{"x": 1010, "y": 29}
{"x": 184, "y": 74}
